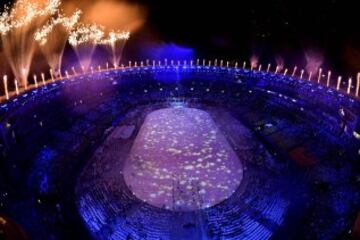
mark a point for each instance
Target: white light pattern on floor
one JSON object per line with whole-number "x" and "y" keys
{"x": 181, "y": 161}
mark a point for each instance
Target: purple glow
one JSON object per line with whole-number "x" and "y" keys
{"x": 314, "y": 60}
{"x": 171, "y": 51}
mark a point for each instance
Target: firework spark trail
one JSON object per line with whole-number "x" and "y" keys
{"x": 5, "y": 24}
{"x": 84, "y": 39}
{"x": 52, "y": 38}
{"x": 17, "y": 28}
{"x": 24, "y": 12}
{"x": 86, "y": 33}
{"x": 254, "y": 60}
{"x": 43, "y": 21}
{"x": 314, "y": 60}
{"x": 115, "y": 42}
{"x": 280, "y": 63}
{"x": 42, "y": 35}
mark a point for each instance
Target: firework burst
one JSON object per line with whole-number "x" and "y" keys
{"x": 52, "y": 38}
{"x": 17, "y": 27}
{"x": 115, "y": 43}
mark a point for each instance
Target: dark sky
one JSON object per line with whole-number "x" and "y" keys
{"x": 239, "y": 29}
{"x": 268, "y": 29}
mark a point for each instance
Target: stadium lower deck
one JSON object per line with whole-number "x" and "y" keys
{"x": 77, "y": 157}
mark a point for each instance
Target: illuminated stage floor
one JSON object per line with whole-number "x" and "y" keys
{"x": 181, "y": 161}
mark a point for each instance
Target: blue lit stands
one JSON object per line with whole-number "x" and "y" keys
{"x": 328, "y": 106}
{"x": 44, "y": 130}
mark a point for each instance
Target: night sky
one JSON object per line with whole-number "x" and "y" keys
{"x": 269, "y": 30}
{"x": 240, "y": 29}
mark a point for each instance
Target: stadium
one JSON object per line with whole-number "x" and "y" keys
{"x": 260, "y": 171}
{"x": 177, "y": 149}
